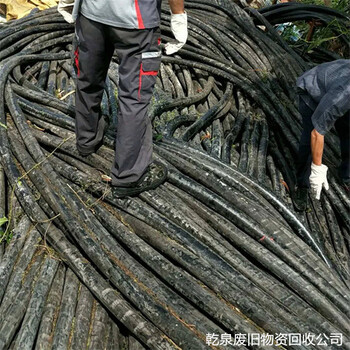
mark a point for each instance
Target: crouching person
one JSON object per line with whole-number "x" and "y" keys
{"x": 324, "y": 102}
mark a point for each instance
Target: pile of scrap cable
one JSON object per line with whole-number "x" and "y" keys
{"x": 214, "y": 258}
{"x": 293, "y": 11}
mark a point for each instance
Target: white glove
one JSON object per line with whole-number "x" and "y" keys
{"x": 178, "y": 24}
{"x": 65, "y": 8}
{"x": 318, "y": 179}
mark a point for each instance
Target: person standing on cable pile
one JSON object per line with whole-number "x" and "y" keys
{"x": 324, "y": 102}
{"x": 131, "y": 27}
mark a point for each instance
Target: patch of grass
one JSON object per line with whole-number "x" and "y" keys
{"x": 331, "y": 37}
{"x": 5, "y": 235}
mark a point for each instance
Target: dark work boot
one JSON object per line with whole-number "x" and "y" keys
{"x": 154, "y": 176}
{"x": 300, "y": 198}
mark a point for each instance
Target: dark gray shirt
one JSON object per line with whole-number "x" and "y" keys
{"x": 326, "y": 90}
{"x": 129, "y": 14}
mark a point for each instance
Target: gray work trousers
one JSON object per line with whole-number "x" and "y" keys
{"x": 139, "y": 60}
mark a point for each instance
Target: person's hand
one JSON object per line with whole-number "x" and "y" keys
{"x": 318, "y": 179}
{"x": 65, "y": 8}
{"x": 178, "y": 24}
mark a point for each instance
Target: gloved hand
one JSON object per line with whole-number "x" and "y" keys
{"x": 318, "y": 179}
{"x": 65, "y": 8}
{"x": 178, "y": 24}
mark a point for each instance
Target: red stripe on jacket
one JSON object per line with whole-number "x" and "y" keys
{"x": 138, "y": 14}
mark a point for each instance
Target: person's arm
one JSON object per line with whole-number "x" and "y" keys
{"x": 177, "y": 6}
{"x": 317, "y": 144}
{"x": 178, "y": 23}
{"x": 318, "y": 176}
{"x": 65, "y": 8}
